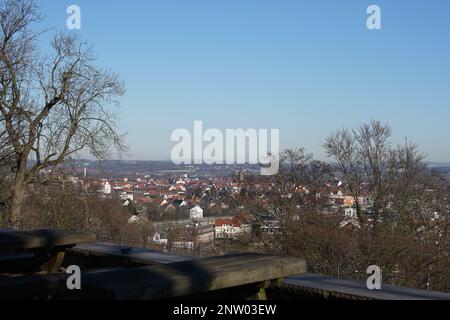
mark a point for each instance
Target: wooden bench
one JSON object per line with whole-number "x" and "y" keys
{"x": 112, "y": 255}
{"x": 21, "y": 251}
{"x": 163, "y": 281}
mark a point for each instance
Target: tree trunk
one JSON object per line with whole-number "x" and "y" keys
{"x": 17, "y": 199}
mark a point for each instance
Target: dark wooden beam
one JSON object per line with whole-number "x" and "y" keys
{"x": 191, "y": 277}
{"x": 23, "y": 240}
{"x": 159, "y": 282}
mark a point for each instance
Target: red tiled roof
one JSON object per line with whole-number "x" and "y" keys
{"x": 229, "y": 222}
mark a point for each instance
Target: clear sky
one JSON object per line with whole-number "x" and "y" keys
{"x": 304, "y": 67}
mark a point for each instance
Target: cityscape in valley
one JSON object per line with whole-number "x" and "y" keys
{"x": 200, "y": 204}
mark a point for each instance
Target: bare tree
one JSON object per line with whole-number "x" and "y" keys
{"x": 298, "y": 195}
{"x": 341, "y": 146}
{"x": 362, "y": 158}
{"x": 409, "y": 231}
{"x": 373, "y": 142}
{"x": 52, "y": 107}
{"x": 409, "y": 236}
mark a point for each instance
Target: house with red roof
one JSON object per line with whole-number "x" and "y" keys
{"x": 230, "y": 228}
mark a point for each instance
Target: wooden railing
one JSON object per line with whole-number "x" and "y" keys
{"x": 32, "y": 266}
{"x": 131, "y": 273}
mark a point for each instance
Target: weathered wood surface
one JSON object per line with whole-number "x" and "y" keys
{"x": 190, "y": 277}
{"x": 127, "y": 254}
{"x": 325, "y": 287}
{"x": 160, "y": 282}
{"x": 22, "y": 240}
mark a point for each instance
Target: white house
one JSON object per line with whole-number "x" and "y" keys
{"x": 350, "y": 213}
{"x": 74, "y": 180}
{"x": 196, "y": 213}
{"x": 351, "y": 218}
{"x": 126, "y": 196}
{"x": 137, "y": 219}
{"x": 229, "y": 228}
{"x": 189, "y": 245}
{"x": 157, "y": 239}
{"x": 107, "y": 188}
{"x": 180, "y": 181}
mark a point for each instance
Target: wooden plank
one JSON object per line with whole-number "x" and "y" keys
{"x": 185, "y": 278}
{"x": 158, "y": 282}
{"x": 335, "y": 288}
{"x": 135, "y": 255}
{"x": 21, "y": 240}
{"x": 141, "y": 256}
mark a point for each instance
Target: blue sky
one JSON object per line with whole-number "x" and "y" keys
{"x": 304, "y": 67}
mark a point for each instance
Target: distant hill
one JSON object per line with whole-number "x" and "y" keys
{"x": 121, "y": 168}
{"x": 439, "y": 164}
